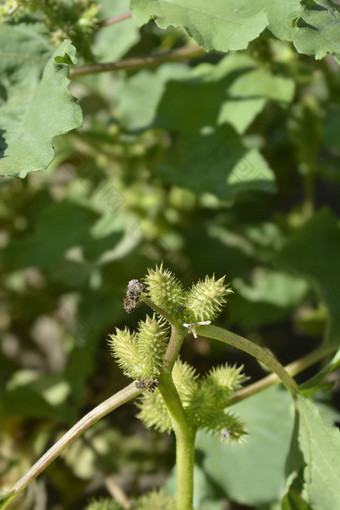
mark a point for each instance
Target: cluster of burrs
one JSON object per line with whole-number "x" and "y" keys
{"x": 141, "y": 353}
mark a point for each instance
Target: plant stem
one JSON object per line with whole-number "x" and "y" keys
{"x": 159, "y": 310}
{"x": 115, "y": 19}
{"x": 185, "y": 439}
{"x": 139, "y": 63}
{"x": 245, "y": 345}
{"x": 176, "y": 340}
{"x": 116, "y": 400}
{"x": 293, "y": 368}
{"x": 185, "y": 435}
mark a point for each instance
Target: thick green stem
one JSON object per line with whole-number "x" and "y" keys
{"x": 176, "y": 340}
{"x": 118, "y": 399}
{"x": 258, "y": 352}
{"x": 185, "y": 452}
{"x": 185, "y": 435}
{"x": 185, "y": 439}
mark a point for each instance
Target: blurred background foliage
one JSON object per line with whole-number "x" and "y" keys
{"x": 225, "y": 164}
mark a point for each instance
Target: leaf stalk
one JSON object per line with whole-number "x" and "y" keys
{"x": 113, "y": 402}
{"x": 134, "y": 64}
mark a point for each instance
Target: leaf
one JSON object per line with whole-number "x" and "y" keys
{"x": 138, "y": 96}
{"x": 280, "y": 15}
{"x": 216, "y": 162}
{"x": 320, "y": 445}
{"x": 317, "y": 29}
{"x": 314, "y": 254}
{"x": 234, "y": 91}
{"x": 220, "y": 25}
{"x": 253, "y": 473}
{"x": 293, "y": 501}
{"x": 267, "y": 298}
{"x": 316, "y": 382}
{"x": 273, "y": 287}
{"x": 113, "y": 41}
{"x": 63, "y": 225}
{"x": 30, "y": 118}
{"x": 26, "y": 402}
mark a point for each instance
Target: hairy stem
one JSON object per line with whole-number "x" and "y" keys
{"x": 185, "y": 435}
{"x": 116, "y": 400}
{"x": 139, "y": 63}
{"x": 115, "y": 19}
{"x": 185, "y": 439}
{"x": 258, "y": 352}
{"x": 294, "y": 368}
{"x": 174, "y": 347}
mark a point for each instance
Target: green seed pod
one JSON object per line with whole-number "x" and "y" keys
{"x": 224, "y": 380}
{"x": 156, "y": 500}
{"x": 212, "y": 395}
{"x": 104, "y": 504}
{"x": 185, "y": 379}
{"x": 164, "y": 289}
{"x": 228, "y": 426}
{"x": 205, "y": 299}
{"x": 124, "y": 349}
{"x": 154, "y": 413}
{"x": 152, "y": 341}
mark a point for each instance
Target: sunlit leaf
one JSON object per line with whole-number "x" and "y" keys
{"x": 218, "y": 163}
{"x": 317, "y": 29}
{"x": 36, "y": 105}
{"x": 320, "y": 444}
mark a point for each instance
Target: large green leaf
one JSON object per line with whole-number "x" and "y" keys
{"x": 234, "y": 91}
{"x": 221, "y": 25}
{"x": 216, "y": 162}
{"x": 320, "y": 445}
{"x": 35, "y": 103}
{"x": 317, "y": 30}
{"x": 314, "y": 254}
{"x": 280, "y": 14}
{"x": 253, "y": 473}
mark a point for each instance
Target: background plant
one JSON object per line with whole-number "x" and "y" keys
{"x": 132, "y": 187}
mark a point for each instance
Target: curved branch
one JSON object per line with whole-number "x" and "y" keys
{"x": 116, "y": 400}
{"x": 258, "y": 352}
{"x": 294, "y": 368}
{"x": 139, "y": 63}
{"x": 115, "y": 19}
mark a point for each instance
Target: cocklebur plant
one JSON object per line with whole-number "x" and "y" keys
{"x": 171, "y": 395}
{"x": 175, "y": 398}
